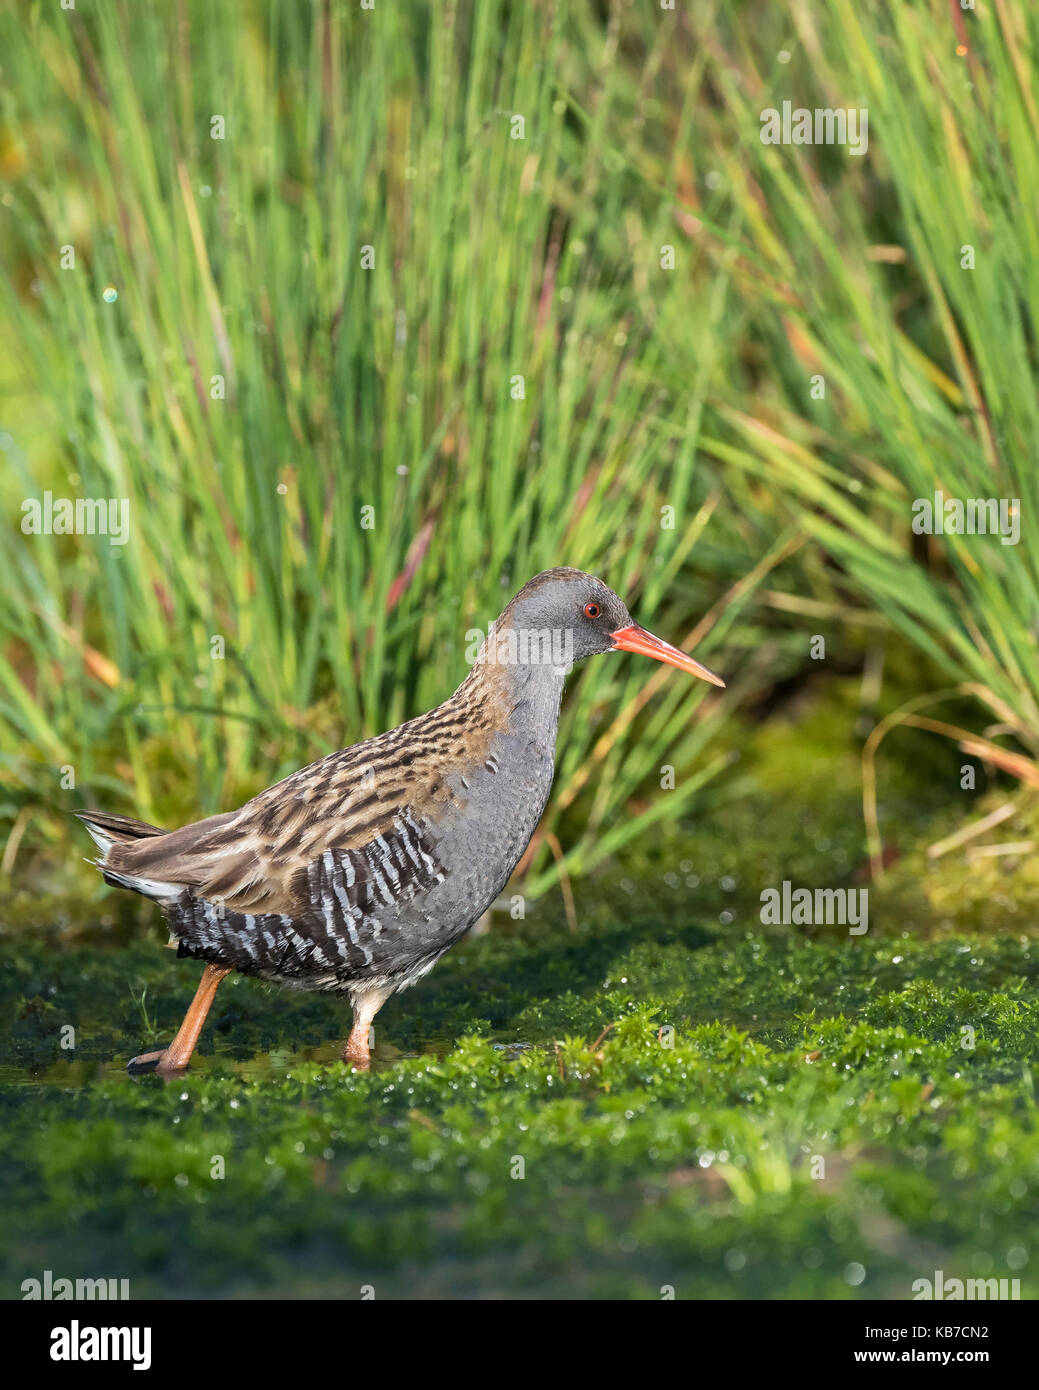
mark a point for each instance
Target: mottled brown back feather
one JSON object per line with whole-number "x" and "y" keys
{"x": 254, "y": 859}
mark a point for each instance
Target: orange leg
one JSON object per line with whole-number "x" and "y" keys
{"x": 356, "y": 1052}
{"x": 175, "y": 1058}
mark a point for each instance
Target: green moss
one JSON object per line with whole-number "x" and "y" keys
{"x": 643, "y": 1164}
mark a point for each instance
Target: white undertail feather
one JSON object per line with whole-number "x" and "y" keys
{"x": 102, "y": 839}
{"x": 150, "y": 887}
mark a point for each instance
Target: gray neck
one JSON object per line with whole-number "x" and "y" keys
{"x": 536, "y": 692}
{"x": 529, "y": 693}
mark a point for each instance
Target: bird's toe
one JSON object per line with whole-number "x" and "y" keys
{"x": 150, "y": 1062}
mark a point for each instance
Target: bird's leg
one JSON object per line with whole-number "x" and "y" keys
{"x": 366, "y": 1006}
{"x": 176, "y": 1057}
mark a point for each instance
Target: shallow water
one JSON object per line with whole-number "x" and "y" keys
{"x": 223, "y": 1061}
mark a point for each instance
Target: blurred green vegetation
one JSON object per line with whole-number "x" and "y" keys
{"x": 394, "y": 388}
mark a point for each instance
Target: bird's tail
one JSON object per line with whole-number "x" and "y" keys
{"x": 123, "y": 834}
{"x": 106, "y": 830}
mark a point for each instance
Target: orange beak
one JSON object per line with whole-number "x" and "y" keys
{"x": 637, "y": 639}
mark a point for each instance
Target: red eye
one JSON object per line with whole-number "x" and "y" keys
{"x": 592, "y": 610}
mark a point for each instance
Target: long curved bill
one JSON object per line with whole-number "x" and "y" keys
{"x": 637, "y": 639}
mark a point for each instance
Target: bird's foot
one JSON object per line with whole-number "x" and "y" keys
{"x": 158, "y": 1062}
{"x": 356, "y": 1052}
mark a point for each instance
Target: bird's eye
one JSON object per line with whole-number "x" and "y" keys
{"x": 592, "y": 610}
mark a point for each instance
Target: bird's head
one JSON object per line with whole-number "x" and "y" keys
{"x": 581, "y": 616}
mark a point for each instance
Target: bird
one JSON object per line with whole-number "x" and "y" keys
{"x": 356, "y": 873}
